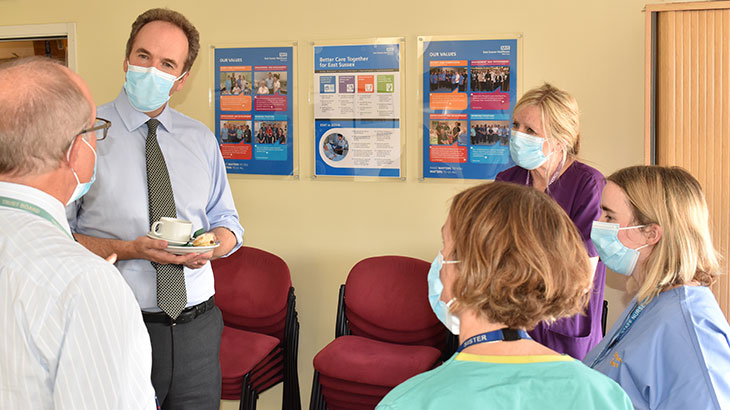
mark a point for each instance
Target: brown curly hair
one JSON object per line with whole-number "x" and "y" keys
{"x": 522, "y": 260}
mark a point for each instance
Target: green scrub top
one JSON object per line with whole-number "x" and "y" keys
{"x": 469, "y": 381}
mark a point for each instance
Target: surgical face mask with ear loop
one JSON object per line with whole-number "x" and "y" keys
{"x": 526, "y": 150}
{"x": 147, "y": 87}
{"x": 81, "y": 187}
{"x": 612, "y": 252}
{"x": 435, "y": 288}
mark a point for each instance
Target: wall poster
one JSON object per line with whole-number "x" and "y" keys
{"x": 358, "y": 106}
{"x": 254, "y": 124}
{"x": 469, "y": 89}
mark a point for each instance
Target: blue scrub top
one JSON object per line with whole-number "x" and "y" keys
{"x": 675, "y": 355}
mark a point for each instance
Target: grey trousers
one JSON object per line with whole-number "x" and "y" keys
{"x": 186, "y": 371}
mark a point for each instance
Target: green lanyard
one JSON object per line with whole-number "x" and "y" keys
{"x": 28, "y": 207}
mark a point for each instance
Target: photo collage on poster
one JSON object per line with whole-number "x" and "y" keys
{"x": 253, "y": 109}
{"x": 468, "y": 96}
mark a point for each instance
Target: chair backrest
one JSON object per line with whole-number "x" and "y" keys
{"x": 251, "y": 290}
{"x": 386, "y": 298}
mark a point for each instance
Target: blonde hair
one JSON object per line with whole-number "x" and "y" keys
{"x": 673, "y": 199}
{"x": 522, "y": 260}
{"x": 38, "y": 119}
{"x": 559, "y": 113}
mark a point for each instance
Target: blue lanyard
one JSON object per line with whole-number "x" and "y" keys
{"x": 506, "y": 334}
{"x": 635, "y": 312}
{"x": 28, "y": 207}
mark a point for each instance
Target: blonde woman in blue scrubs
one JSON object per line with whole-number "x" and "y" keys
{"x": 511, "y": 258}
{"x": 671, "y": 347}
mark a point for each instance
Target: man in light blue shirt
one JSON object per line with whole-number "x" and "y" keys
{"x": 114, "y": 216}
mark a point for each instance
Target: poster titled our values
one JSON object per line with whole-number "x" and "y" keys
{"x": 469, "y": 92}
{"x": 357, "y": 110}
{"x": 253, "y": 109}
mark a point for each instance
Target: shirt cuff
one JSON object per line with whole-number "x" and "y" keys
{"x": 237, "y": 231}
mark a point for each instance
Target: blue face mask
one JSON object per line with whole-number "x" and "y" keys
{"x": 612, "y": 252}
{"x": 435, "y": 287}
{"x": 81, "y": 187}
{"x": 147, "y": 87}
{"x": 526, "y": 150}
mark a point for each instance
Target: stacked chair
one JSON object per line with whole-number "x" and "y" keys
{"x": 385, "y": 334}
{"x": 261, "y": 329}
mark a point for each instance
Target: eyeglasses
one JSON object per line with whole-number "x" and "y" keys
{"x": 99, "y": 124}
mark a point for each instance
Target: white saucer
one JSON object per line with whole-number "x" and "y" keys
{"x": 169, "y": 241}
{"x": 182, "y": 250}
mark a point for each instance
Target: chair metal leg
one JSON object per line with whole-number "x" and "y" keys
{"x": 253, "y": 400}
{"x": 291, "y": 399}
{"x": 316, "y": 401}
{"x": 291, "y": 373}
{"x": 248, "y": 395}
{"x": 342, "y": 328}
{"x": 244, "y": 394}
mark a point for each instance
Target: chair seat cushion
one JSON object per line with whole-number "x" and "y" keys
{"x": 361, "y": 360}
{"x": 241, "y": 351}
{"x": 345, "y": 387}
{"x": 242, "y": 320}
{"x": 349, "y": 401}
{"x": 268, "y": 372}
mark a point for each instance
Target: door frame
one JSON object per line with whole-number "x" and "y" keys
{"x": 34, "y": 31}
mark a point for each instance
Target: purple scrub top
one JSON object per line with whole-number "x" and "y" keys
{"x": 578, "y": 192}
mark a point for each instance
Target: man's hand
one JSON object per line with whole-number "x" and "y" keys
{"x": 203, "y": 258}
{"x": 200, "y": 260}
{"x": 154, "y": 250}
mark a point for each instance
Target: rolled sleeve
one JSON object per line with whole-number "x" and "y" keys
{"x": 221, "y": 210}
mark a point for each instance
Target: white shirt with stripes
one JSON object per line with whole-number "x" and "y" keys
{"x": 71, "y": 331}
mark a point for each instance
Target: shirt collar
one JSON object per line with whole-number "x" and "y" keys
{"x": 38, "y": 198}
{"x": 134, "y": 119}
{"x": 510, "y": 359}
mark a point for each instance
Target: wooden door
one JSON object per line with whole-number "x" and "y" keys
{"x": 688, "y": 106}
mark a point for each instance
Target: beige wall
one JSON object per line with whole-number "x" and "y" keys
{"x": 593, "y": 49}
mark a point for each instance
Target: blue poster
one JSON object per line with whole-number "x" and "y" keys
{"x": 468, "y": 97}
{"x": 253, "y": 109}
{"x": 357, "y": 125}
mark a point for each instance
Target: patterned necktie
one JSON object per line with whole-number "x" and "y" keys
{"x": 171, "y": 296}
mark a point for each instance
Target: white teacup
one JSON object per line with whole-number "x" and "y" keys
{"x": 172, "y": 229}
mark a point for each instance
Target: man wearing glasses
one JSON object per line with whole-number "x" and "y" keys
{"x": 72, "y": 334}
{"x": 157, "y": 162}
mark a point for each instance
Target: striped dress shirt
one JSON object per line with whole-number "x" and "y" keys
{"x": 72, "y": 333}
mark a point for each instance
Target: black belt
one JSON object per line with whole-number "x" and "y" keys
{"x": 187, "y": 315}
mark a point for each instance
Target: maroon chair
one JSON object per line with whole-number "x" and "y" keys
{"x": 385, "y": 334}
{"x": 261, "y": 329}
